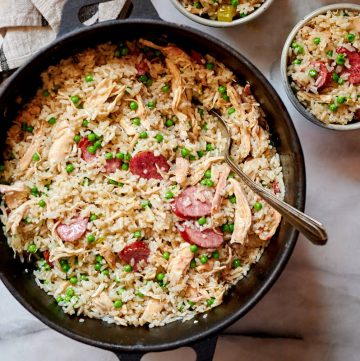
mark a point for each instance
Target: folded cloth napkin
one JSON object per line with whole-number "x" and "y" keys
{"x": 28, "y": 25}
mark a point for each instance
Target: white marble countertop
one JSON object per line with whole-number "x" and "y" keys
{"x": 313, "y": 311}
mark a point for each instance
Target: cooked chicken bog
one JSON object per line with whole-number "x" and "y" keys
{"x": 115, "y": 184}
{"x": 324, "y": 66}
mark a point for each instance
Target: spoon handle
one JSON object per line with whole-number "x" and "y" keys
{"x": 309, "y": 227}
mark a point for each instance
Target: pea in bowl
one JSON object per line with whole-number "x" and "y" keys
{"x": 320, "y": 66}
{"x": 222, "y": 13}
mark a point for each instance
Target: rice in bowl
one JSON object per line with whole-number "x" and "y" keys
{"x": 115, "y": 185}
{"x": 324, "y": 66}
{"x": 222, "y": 10}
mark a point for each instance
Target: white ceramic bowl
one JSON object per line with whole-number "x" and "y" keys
{"x": 284, "y": 64}
{"x": 222, "y": 24}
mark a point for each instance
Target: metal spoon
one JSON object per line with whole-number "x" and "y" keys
{"x": 309, "y": 227}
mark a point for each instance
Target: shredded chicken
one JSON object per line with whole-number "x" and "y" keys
{"x": 182, "y": 166}
{"x": 62, "y": 143}
{"x": 103, "y": 303}
{"x": 318, "y": 98}
{"x": 259, "y": 141}
{"x": 270, "y": 229}
{"x": 34, "y": 147}
{"x": 242, "y": 214}
{"x": 216, "y": 202}
{"x": 16, "y": 216}
{"x": 198, "y": 168}
{"x": 15, "y": 194}
{"x": 108, "y": 255}
{"x": 179, "y": 263}
{"x": 151, "y": 312}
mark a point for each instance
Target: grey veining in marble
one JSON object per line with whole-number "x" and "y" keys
{"x": 313, "y": 311}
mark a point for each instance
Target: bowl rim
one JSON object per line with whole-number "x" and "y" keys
{"x": 284, "y": 63}
{"x": 222, "y": 24}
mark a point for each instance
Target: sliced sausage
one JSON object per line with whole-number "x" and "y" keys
{"x": 354, "y": 60}
{"x": 47, "y": 258}
{"x": 134, "y": 253}
{"x": 146, "y": 164}
{"x": 85, "y": 154}
{"x": 142, "y": 68}
{"x": 197, "y": 57}
{"x": 324, "y": 77}
{"x": 193, "y": 202}
{"x": 73, "y": 231}
{"x": 207, "y": 238}
{"x": 112, "y": 164}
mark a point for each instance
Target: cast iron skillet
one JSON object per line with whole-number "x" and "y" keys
{"x": 131, "y": 343}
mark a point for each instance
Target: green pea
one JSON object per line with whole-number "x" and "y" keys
{"x": 2, "y": 167}
{"x": 350, "y": 37}
{"x": 136, "y": 121}
{"x": 165, "y": 88}
{"x": 52, "y": 121}
{"x": 64, "y": 265}
{"x": 209, "y": 147}
{"x": 159, "y": 137}
{"x": 202, "y": 221}
{"x": 143, "y": 135}
{"x": 194, "y": 248}
{"x": 120, "y": 155}
{"x": 231, "y": 227}
{"x": 258, "y": 206}
{"x": 160, "y": 276}
{"x": 91, "y": 149}
{"x": 89, "y": 78}
{"x": 118, "y": 304}
{"x": 201, "y": 112}
{"x": 34, "y": 191}
{"x": 184, "y": 152}
{"x": 340, "y": 59}
{"x": 105, "y": 272}
{"x": 316, "y": 41}
{"x": 124, "y": 51}
{"x": 215, "y": 255}
{"x": 90, "y": 238}
{"x": 210, "y": 66}
{"x": 35, "y": 157}
{"x": 85, "y": 123}
{"x": 134, "y": 105}
{"x": 139, "y": 294}
{"x": 97, "y": 266}
{"x": 68, "y": 298}
{"x": 226, "y": 97}
{"x": 192, "y": 263}
{"x": 77, "y": 138}
{"x": 70, "y": 292}
{"x": 99, "y": 258}
{"x": 340, "y": 100}
{"x": 200, "y": 153}
{"x": 232, "y": 199}
{"x": 145, "y": 203}
{"x": 47, "y": 267}
{"x": 341, "y": 81}
{"x": 197, "y": 5}
{"x": 207, "y": 174}
{"x": 112, "y": 181}
{"x": 166, "y": 255}
{"x": 84, "y": 278}
{"x": 127, "y": 268}
{"x": 151, "y": 104}
{"x": 125, "y": 166}
{"x": 313, "y": 73}
{"x": 297, "y": 61}
{"x": 32, "y": 248}
{"x": 93, "y": 217}
{"x": 73, "y": 280}
{"x": 120, "y": 290}
{"x": 329, "y": 53}
{"x": 120, "y": 184}
{"x": 169, "y": 123}
{"x": 207, "y": 182}
{"x": 299, "y": 50}
{"x": 143, "y": 78}
{"x": 204, "y": 259}
{"x": 69, "y": 168}
{"x": 59, "y": 299}
{"x": 91, "y": 137}
{"x": 109, "y": 156}
{"x": 222, "y": 89}
{"x": 333, "y": 107}
{"x": 42, "y": 203}
{"x": 231, "y": 111}
{"x": 137, "y": 234}
{"x": 211, "y": 301}
{"x": 127, "y": 157}
{"x": 169, "y": 195}
{"x": 236, "y": 263}
{"x": 46, "y": 93}
{"x": 149, "y": 82}
{"x": 335, "y": 77}
{"x": 75, "y": 99}
{"x": 225, "y": 228}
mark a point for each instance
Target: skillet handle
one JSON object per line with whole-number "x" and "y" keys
{"x": 140, "y": 9}
{"x": 204, "y": 349}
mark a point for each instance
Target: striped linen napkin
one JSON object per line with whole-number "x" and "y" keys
{"x": 28, "y": 25}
